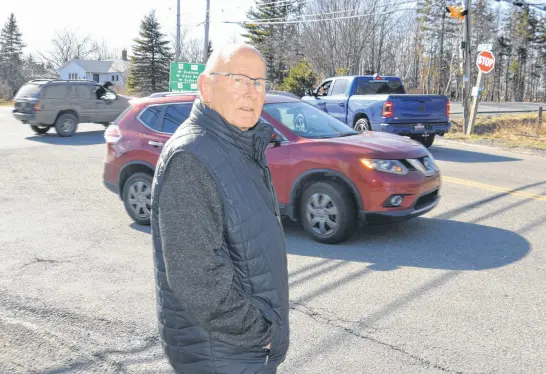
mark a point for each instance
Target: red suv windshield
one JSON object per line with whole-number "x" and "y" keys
{"x": 307, "y": 121}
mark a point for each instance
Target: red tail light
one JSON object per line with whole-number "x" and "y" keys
{"x": 448, "y": 108}
{"x": 388, "y": 109}
{"x": 112, "y": 134}
{"x": 37, "y": 106}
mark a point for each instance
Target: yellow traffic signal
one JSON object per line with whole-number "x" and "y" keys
{"x": 456, "y": 11}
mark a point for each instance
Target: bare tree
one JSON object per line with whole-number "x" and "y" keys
{"x": 67, "y": 45}
{"x": 191, "y": 48}
{"x": 340, "y": 43}
{"x": 101, "y": 51}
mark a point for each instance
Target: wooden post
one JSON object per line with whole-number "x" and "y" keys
{"x": 474, "y": 108}
{"x": 539, "y": 123}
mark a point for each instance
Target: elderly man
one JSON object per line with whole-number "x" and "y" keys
{"x": 220, "y": 257}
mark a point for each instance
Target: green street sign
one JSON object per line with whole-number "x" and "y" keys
{"x": 183, "y": 76}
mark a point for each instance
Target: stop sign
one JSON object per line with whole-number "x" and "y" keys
{"x": 485, "y": 61}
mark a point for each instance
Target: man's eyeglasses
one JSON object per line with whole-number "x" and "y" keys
{"x": 241, "y": 82}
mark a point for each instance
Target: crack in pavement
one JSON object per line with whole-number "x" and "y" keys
{"x": 81, "y": 356}
{"x": 38, "y": 260}
{"x": 332, "y": 320}
{"x": 75, "y": 335}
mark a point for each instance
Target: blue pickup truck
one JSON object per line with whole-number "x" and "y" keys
{"x": 380, "y": 103}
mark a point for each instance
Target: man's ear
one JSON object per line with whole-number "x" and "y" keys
{"x": 203, "y": 84}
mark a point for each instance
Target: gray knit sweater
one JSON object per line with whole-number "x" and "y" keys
{"x": 192, "y": 230}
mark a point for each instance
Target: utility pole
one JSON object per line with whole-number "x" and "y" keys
{"x": 463, "y": 13}
{"x": 467, "y": 63}
{"x": 206, "y": 49}
{"x": 177, "y": 58}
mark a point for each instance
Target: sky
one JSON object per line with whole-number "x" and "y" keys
{"x": 118, "y": 21}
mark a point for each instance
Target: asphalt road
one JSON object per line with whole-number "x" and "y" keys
{"x": 460, "y": 290}
{"x": 498, "y": 108}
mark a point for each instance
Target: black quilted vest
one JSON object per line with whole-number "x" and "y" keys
{"x": 254, "y": 243}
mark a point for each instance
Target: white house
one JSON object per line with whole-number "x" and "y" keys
{"x": 114, "y": 71}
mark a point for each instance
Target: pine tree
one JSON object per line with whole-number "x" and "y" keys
{"x": 11, "y": 55}
{"x": 274, "y": 40}
{"x": 152, "y": 56}
{"x": 300, "y": 78}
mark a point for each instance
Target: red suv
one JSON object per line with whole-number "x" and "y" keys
{"x": 328, "y": 176}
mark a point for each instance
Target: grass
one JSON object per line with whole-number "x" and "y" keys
{"x": 510, "y": 130}
{"x": 5, "y": 103}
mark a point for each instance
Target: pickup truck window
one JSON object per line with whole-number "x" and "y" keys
{"x": 307, "y": 121}
{"x": 340, "y": 87}
{"x": 323, "y": 90}
{"x": 378, "y": 87}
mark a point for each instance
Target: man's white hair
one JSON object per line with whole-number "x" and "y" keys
{"x": 224, "y": 53}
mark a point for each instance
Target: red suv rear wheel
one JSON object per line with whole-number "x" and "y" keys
{"x": 137, "y": 197}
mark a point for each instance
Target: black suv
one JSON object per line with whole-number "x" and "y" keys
{"x": 46, "y": 103}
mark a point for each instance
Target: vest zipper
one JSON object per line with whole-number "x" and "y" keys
{"x": 267, "y": 353}
{"x": 267, "y": 173}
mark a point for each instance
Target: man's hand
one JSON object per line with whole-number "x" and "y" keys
{"x": 268, "y": 346}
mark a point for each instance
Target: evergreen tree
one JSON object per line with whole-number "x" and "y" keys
{"x": 11, "y": 55}
{"x": 300, "y": 78}
{"x": 277, "y": 42}
{"x": 132, "y": 87}
{"x": 152, "y": 56}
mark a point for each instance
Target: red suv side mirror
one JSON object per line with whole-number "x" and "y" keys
{"x": 275, "y": 138}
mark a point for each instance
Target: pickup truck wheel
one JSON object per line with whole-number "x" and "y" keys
{"x": 363, "y": 124}
{"x": 40, "y": 129}
{"x": 426, "y": 141}
{"x": 137, "y": 197}
{"x": 327, "y": 212}
{"x": 66, "y": 125}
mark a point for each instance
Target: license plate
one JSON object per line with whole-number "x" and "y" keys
{"x": 419, "y": 126}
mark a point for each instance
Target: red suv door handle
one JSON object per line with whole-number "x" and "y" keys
{"x": 156, "y": 144}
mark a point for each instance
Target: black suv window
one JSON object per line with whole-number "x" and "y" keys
{"x": 175, "y": 114}
{"x": 83, "y": 91}
{"x": 151, "y": 117}
{"x": 29, "y": 90}
{"x": 56, "y": 91}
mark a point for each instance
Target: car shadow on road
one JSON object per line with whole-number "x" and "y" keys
{"x": 464, "y": 156}
{"x": 422, "y": 242}
{"x": 141, "y": 228}
{"x": 79, "y": 138}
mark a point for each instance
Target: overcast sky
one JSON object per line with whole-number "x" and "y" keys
{"x": 117, "y": 21}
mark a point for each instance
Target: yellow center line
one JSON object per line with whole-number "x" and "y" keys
{"x": 490, "y": 187}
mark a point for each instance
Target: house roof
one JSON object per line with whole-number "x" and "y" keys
{"x": 98, "y": 67}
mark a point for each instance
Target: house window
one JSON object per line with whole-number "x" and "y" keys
{"x": 115, "y": 78}
{"x": 72, "y": 75}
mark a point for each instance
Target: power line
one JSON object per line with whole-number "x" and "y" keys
{"x": 319, "y": 19}
{"x": 254, "y": 21}
{"x": 305, "y": 15}
{"x": 327, "y": 14}
{"x": 521, "y": 3}
{"x": 283, "y": 3}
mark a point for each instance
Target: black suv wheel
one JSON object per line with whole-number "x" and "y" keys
{"x": 66, "y": 124}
